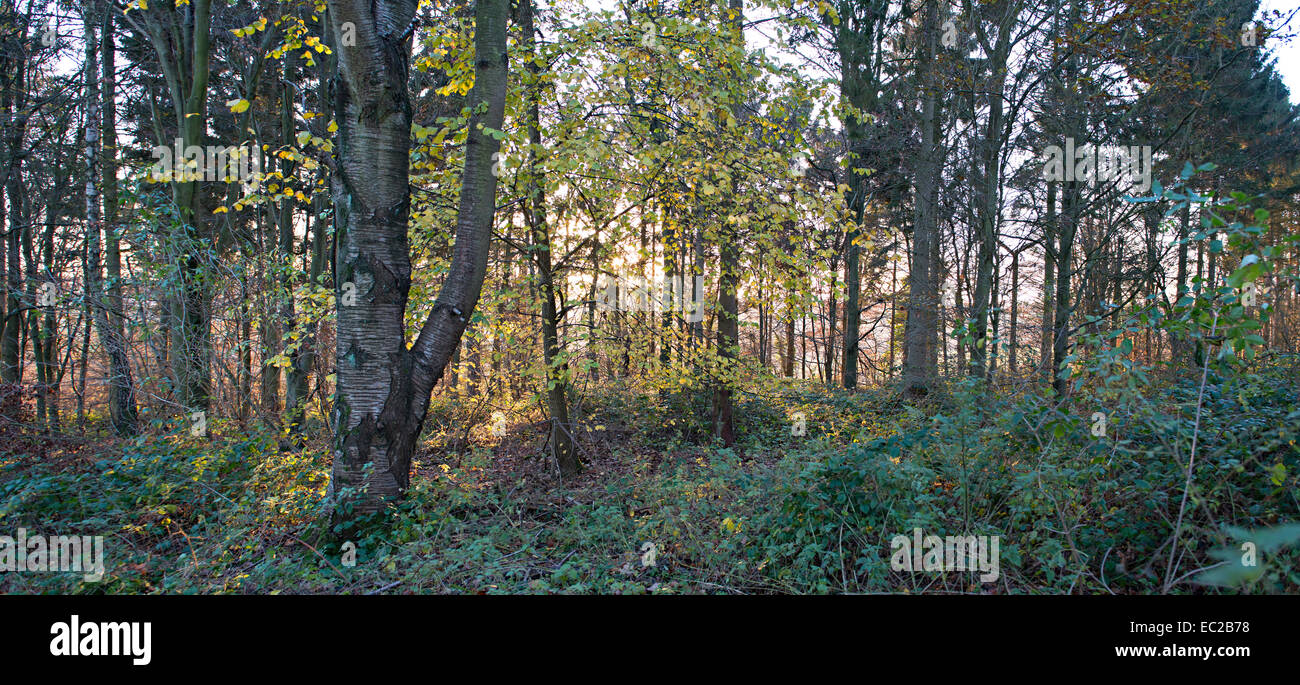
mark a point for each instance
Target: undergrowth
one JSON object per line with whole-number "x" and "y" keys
{"x": 778, "y": 512}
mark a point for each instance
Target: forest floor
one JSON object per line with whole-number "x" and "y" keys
{"x": 661, "y": 508}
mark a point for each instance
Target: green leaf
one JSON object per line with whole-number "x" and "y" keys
{"x": 1269, "y": 539}
{"x": 1246, "y": 273}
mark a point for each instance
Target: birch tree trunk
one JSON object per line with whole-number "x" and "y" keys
{"x": 383, "y": 387}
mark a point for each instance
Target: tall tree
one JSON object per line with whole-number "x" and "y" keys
{"x": 857, "y": 29}
{"x": 554, "y": 356}
{"x": 728, "y": 340}
{"x": 182, "y": 43}
{"x": 121, "y": 388}
{"x": 988, "y": 151}
{"x": 920, "y": 333}
{"x": 383, "y": 387}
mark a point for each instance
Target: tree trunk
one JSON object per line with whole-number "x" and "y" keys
{"x": 1015, "y": 312}
{"x": 788, "y": 362}
{"x": 383, "y": 388}
{"x": 1065, "y": 254}
{"x": 121, "y": 388}
{"x": 724, "y": 426}
{"x": 986, "y": 201}
{"x": 553, "y": 353}
{"x": 112, "y": 239}
{"x": 1049, "y": 285}
{"x": 920, "y": 332}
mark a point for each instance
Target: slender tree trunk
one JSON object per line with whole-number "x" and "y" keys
{"x": 32, "y": 325}
{"x": 297, "y": 385}
{"x": 244, "y": 375}
{"x": 1015, "y": 312}
{"x": 728, "y": 340}
{"x": 1067, "y": 226}
{"x": 15, "y": 125}
{"x": 50, "y": 334}
{"x": 553, "y": 353}
{"x": 112, "y": 237}
{"x": 12, "y": 346}
{"x": 1065, "y": 255}
{"x": 191, "y": 332}
{"x": 788, "y": 367}
{"x": 832, "y": 319}
{"x": 920, "y": 332}
{"x": 1049, "y": 285}
{"x": 83, "y": 361}
{"x": 893, "y": 316}
{"x": 995, "y": 320}
{"x": 121, "y": 388}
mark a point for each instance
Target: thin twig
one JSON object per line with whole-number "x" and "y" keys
{"x": 1191, "y": 462}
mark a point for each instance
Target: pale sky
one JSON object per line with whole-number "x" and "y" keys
{"x": 1287, "y": 51}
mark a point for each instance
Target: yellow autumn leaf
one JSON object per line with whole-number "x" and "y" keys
{"x": 238, "y": 106}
